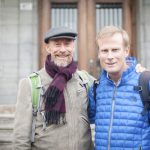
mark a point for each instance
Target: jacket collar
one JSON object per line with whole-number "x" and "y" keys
{"x": 126, "y": 75}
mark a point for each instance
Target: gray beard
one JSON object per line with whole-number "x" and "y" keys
{"x": 61, "y": 64}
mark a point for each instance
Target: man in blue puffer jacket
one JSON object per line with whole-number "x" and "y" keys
{"x": 117, "y": 110}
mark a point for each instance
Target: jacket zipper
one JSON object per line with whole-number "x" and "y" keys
{"x": 140, "y": 148}
{"x": 112, "y": 116}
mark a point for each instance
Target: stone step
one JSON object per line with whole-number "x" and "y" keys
{"x": 5, "y": 146}
{"x": 5, "y": 136}
{"x": 6, "y": 129}
{"x": 6, "y": 121}
{"x": 7, "y": 109}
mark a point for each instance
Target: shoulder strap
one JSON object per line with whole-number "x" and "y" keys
{"x": 35, "y": 94}
{"x": 35, "y": 90}
{"x": 144, "y": 93}
{"x": 84, "y": 77}
{"x": 96, "y": 82}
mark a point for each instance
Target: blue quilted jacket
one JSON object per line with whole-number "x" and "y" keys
{"x": 117, "y": 114}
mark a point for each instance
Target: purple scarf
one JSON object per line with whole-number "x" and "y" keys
{"x": 54, "y": 98}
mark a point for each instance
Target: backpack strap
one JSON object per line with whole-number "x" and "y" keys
{"x": 35, "y": 89}
{"x": 145, "y": 91}
{"x": 95, "y": 84}
{"x": 35, "y": 80}
{"x": 84, "y": 77}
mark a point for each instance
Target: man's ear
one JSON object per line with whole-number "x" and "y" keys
{"x": 47, "y": 48}
{"x": 139, "y": 68}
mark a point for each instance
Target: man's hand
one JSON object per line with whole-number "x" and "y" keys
{"x": 139, "y": 68}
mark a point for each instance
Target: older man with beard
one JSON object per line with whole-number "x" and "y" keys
{"x": 61, "y": 120}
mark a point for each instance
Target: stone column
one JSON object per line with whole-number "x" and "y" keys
{"x": 44, "y": 25}
{"x": 127, "y": 21}
{"x": 82, "y": 34}
{"x": 91, "y": 44}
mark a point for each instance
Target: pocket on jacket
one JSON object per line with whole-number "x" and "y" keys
{"x": 42, "y": 131}
{"x": 81, "y": 91}
{"x": 85, "y": 120}
{"x": 82, "y": 100}
{"x": 82, "y": 94}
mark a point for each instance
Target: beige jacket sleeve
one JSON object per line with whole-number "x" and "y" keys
{"x": 23, "y": 117}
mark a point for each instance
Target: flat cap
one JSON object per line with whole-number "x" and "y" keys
{"x": 60, "y": 32}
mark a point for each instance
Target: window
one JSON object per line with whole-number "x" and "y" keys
{"x": 108, "y": 14}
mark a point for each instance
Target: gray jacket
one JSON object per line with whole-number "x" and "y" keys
{"x": 74, "y": 135}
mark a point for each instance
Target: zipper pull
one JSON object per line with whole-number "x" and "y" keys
{"x": 140, "y": 147}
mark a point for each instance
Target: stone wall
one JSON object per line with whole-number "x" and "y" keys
{"x": 18, "y": 45}
{"x": 143, "y": 32}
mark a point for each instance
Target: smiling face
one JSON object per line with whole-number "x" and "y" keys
{"x": 61, "y": 51}
{"x": 112, "y": 55}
